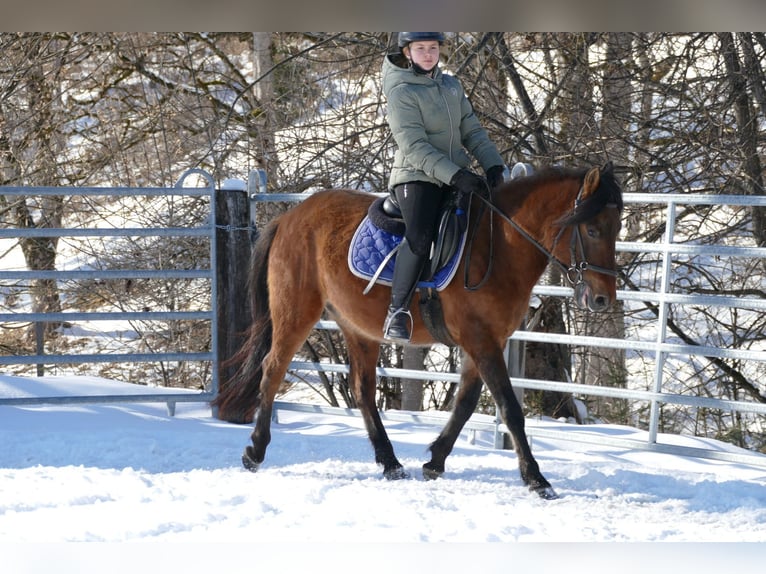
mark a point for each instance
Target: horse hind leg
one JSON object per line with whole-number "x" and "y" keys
{"x": 274, "y": 371}
{"x": 288, "y": 336}
{"x": 275, "y": 367}
{"x": 363, "y": 355}
{"x": 465, "y": 404}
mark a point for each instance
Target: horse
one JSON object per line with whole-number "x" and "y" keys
{"x": 569, "y": 217}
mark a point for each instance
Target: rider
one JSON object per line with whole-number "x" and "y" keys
{"x": 433, "y": 125}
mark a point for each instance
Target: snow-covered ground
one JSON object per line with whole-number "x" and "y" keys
{"x": 131, "y": 473}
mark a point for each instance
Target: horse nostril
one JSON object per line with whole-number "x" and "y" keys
{"x": 600, "y": 302}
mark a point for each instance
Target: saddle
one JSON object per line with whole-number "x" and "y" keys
{"x": 373, "y": 248}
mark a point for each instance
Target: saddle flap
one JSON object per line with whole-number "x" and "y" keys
{"x": 446, "y": 243}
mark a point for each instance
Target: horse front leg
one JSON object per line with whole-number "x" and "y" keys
{"x": 363, "y": 358}
{"x": 493, "y": 370}
{"x": 466, "y": 400}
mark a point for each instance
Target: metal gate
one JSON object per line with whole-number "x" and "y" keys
{"x": 205, "y": 232}
{"x": 661, "y": 348}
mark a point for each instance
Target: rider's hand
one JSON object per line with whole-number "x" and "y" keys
{"x": 467, "y": 182}
{"x": 495, "y": 176}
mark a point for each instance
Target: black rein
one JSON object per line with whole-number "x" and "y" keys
{"x": 573, "y": 272}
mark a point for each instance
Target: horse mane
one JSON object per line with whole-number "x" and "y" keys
{"x": 609, "y": 191}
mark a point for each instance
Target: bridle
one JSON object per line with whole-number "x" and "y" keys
{"x": 573, "y": 272}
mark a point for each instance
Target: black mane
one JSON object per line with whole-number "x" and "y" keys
{"x": 608, "y": 192}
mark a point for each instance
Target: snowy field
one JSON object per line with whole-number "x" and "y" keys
{"x": 129, "y": 473}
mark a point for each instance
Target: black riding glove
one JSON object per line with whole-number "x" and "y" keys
{"x": 468, "y": 182}
{"x": 495, "y": 176}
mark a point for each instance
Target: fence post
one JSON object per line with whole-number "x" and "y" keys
{"x": 514, "y": 361}
{"x": 232, "y": 264}
{"x": 40, "y": 345}
{"x": 256, "y": 184}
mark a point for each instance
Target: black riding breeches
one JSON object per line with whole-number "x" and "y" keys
{"x": 420, "y": 203}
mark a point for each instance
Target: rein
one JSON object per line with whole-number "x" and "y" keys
{"x": 573, "y": 272}
{"x": 469, "y": 245}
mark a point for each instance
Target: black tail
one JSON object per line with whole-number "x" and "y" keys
{"x": 238, "y": 397}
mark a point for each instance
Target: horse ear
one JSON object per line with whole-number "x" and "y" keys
{"x": 591, "y": 182}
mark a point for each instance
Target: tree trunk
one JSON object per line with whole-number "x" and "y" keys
{"x": 412, "y": 389}
{"x": 553, "y": 361}
{"x": 264, "y": 124}
{"x": 603, "y": 366}
{"x": 752, "y": 170}
{"x": 40, "y": 253}
{"x": 549, "y": 362}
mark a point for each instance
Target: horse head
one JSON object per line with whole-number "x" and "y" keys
{"x": 593, "y": 226}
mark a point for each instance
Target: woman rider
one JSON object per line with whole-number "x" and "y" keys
{"x": 433, "y": 125}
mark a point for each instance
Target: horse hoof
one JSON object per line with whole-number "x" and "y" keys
{"x": 397, "y": 473}
{"x": 249, "y": 463}
{"x": 545, "y": 492}
{"x": 431, "y": 473}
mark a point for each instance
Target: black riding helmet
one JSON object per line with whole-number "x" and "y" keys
{"x": 406, "y": 37}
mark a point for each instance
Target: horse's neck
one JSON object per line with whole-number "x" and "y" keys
{"x": 540, "y": 208}
{"x": 535, "y": 211}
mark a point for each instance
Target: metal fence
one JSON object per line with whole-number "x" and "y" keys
{"x": 205, "y": 231}
{"x": 661, "y": 347}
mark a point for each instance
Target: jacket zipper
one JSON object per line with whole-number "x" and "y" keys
{"x": 449, "y": 115}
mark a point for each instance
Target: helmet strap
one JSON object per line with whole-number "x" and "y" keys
{"x": 421, "y": 70}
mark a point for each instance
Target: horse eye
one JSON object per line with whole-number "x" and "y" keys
{"x": 591, "y": 231}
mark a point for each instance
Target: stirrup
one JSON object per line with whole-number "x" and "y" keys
{"x": 394, "y": 329}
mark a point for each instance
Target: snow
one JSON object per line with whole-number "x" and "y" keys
{"x": 129, "y": 472}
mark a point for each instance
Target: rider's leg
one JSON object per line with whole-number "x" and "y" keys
{"x": 407, "y": 269}
{"x": 420, "y": 204}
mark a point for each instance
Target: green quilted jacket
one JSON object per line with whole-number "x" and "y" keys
{"x": 434, "y": 126}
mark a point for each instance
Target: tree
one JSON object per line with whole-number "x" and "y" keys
{"x": 603, "y": 366}
{"x": 746, "y": 83}
{"x": 680, "y": 113}
{"x": 31, "y": 118}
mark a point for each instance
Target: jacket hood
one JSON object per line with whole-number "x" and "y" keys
{"x": 395, "y": 72}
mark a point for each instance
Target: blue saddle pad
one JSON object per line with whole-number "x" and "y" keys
{"x": 371, "y": 245}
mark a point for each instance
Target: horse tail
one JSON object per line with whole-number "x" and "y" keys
{"x": 239, "y": 396}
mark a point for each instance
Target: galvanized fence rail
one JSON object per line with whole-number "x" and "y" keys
{"x": 206, "y": 231}
{"x": 660, "y": 347}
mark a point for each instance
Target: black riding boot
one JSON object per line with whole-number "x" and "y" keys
{"x": 407, "y": 269}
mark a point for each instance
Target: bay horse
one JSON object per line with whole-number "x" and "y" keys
{"x": 567, "y": 216}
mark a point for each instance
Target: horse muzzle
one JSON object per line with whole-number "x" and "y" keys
{"x": 586, "y": 299}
